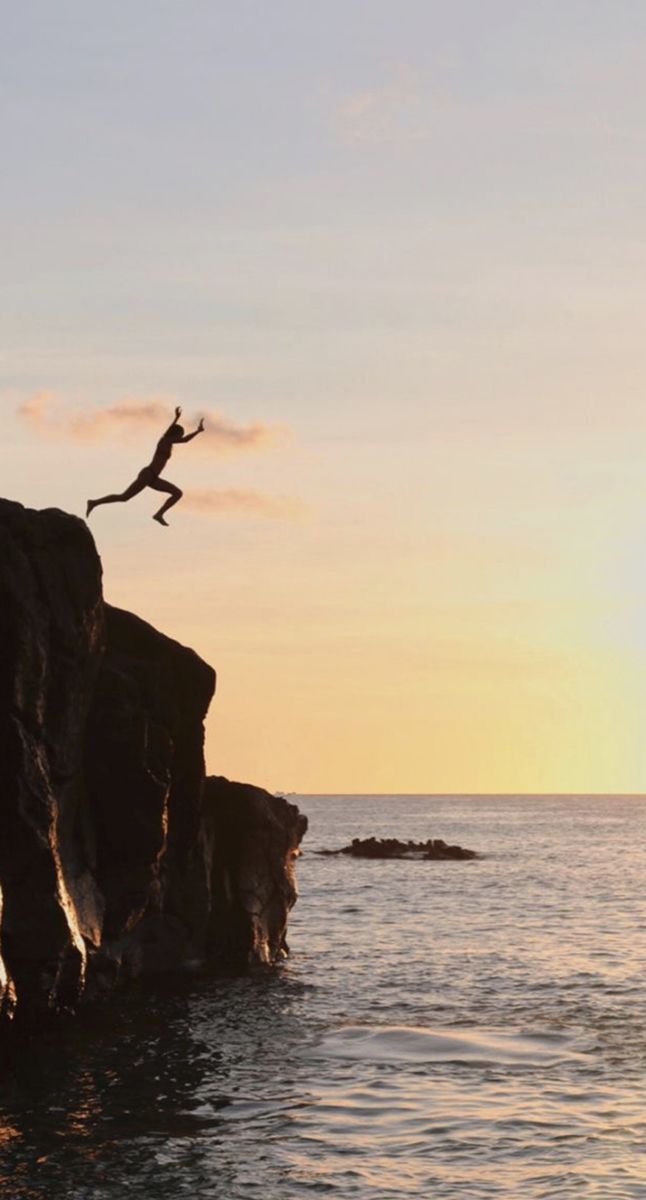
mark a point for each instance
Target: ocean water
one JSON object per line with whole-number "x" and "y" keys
{"x": 456, "y": 1030}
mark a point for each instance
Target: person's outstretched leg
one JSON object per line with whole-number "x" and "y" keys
{"x": 136, "y": 487}
{"x": 174, "y": 494}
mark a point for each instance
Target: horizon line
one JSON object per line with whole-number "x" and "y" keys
{"x": 482, "y": 795}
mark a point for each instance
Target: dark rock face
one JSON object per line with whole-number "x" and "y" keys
{"x": 248, "y": 829}
{"x": 111, "y": 861}
{"x": 51, "y": 642}
{"x": 433, "y": 849}
{"x": 146, "y": 725}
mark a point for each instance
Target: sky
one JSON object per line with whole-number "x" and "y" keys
{"x": 394, "y": 253}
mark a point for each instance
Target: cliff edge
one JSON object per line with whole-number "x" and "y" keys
{"x": 117, "y": 855}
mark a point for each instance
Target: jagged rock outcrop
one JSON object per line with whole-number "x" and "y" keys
{"x": 434, "y": 849}
{"x": 112, "y": 861}
{"x": 253, "y": 842}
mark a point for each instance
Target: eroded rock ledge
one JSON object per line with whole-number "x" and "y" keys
{"x": 117, "y": 855}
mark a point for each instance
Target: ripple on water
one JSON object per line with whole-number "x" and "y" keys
{"x": 482, "y": 1047}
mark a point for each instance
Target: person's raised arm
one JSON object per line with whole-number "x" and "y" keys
{"x": 189, "y": 436}
{"x": 178, "y": 413}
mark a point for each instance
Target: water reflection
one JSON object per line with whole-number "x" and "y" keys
{"x": 142, "y": 1098}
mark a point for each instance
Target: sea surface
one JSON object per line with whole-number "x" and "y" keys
{"x": 458, "y": 1030}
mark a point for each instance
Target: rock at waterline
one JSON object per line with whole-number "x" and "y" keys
{"x": 434, "y": 849}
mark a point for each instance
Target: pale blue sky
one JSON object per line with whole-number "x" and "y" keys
{"x": 193, "y": 178}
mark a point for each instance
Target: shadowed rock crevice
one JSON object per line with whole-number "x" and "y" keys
{"x": 113, "y": 854}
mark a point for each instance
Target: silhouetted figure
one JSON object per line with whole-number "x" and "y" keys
{"x": 150, "y": 476}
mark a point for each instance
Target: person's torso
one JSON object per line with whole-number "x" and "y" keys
{"x": 162, "y": 454}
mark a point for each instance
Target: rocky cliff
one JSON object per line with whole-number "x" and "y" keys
{"x": 116, "y": 855}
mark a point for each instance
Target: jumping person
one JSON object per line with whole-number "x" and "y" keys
{"x": 150, "y": 476}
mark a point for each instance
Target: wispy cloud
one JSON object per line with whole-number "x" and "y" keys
{"x": 243, "y": 503}
{"x": 396, "y": 112}
{"x": 50, "y": 416}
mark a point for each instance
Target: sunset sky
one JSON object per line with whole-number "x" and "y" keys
{"x": 395, "y": 253}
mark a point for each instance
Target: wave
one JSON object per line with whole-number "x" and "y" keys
{"x": 412, "y": 1044}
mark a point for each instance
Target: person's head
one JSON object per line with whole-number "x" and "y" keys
{"x": 177, "y": 433}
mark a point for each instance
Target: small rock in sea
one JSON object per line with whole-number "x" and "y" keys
{"x": 433, "y": 849}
